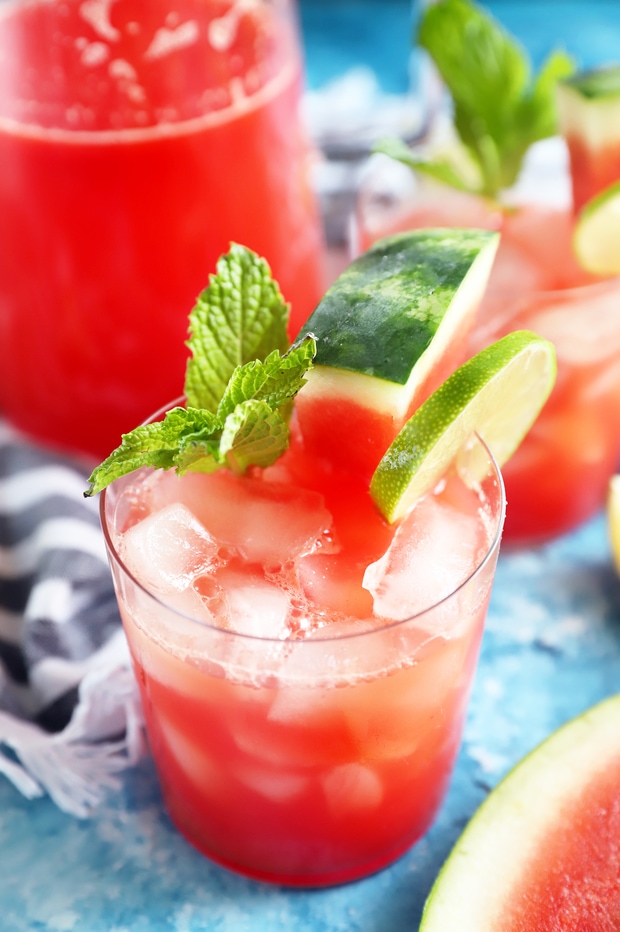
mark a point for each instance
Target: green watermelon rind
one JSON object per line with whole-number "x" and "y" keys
{"x": 476, "y": 882}
{"x": 596, "y": 83}
{"x": 391, "y": 315}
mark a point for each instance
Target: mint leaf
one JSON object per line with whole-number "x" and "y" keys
{"x": 240, "y": 316}
{"x": 275, "y": 381}
{"x": 248, "y": 429}
{"x": 155, "y": 445}
{"x": 499, "y": 108}
{"x": 439, "y": 170}
{"x": 254, "y": 435}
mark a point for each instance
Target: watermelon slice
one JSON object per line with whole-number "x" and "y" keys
{"x": 390, "y": 330}
{"x": 589, "y": 119}
{"x": 543, "y": 851}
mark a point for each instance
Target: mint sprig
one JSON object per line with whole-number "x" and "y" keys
{"x": 500, "y": 107}
{"x": 239, "y": 317}
{"x": 238, "y": 407}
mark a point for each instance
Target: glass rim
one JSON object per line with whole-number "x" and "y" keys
{"x": 170, "y": 129}
{"x": 583, "y": 290}
{"x": 490, "y": 549}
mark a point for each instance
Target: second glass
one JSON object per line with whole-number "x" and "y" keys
{"x": 559, "y": 476}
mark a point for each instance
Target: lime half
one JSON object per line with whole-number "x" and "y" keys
{"x": 596, "y": 239}
{"x": 498, "y": 393}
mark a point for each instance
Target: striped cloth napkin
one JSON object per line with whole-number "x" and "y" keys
{"x": 70, "y": 717}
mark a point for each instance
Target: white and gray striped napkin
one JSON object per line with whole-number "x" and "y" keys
{"x": 69, "y": 710}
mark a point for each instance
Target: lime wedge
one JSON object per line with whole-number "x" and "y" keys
{"x": 596, "y": 239}
{"x": 498, "y": 393}
{"x": 613, "y": 518}
{"x": 542, "y": 847}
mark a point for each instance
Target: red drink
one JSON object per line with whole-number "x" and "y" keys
{"x": 304, "y": 666}
{"x": 559, "y": 475}
{"x": 136, "y": 141}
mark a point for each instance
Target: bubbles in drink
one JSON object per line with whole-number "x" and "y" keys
{"x": 93, "y": 53}
{"x": 166, "y": 40}
{"x": 97, "y": 14}
{"x": 222, "y": 30}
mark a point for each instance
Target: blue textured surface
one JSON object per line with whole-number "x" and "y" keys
{"x": 341, "y": 34}
{"x": 551, "y": 649}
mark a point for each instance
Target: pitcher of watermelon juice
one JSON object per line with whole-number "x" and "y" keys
{"x": 136, "y": 141}
{"x": 559, "y": 476}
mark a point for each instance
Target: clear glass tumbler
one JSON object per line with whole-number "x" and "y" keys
{"x": 559, "y": 476}
{"x": 137, "y": 140}
{"x": 320, "y": 755}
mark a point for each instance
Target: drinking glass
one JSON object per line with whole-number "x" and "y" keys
{"x": 321, "y": 757}
{"x": 559, "y": 476}
{"x": 136, "y": 141}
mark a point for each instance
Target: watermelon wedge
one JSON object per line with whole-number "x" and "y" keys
{"x": 390, "y": 330}
{"x": 543, "y": 851}
{"x": 589, "y": 119}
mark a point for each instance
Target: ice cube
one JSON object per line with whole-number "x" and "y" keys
{"x": 433, "y": 551}
{"x": 565, "y": 320}
{"x": 252, "y": 605}
{"x": 267, "y": 522}
{"x": 351, "y": 787}
{"x": 202, "y": 769}
{"x": 390, "y": 716}
{"x": 276, "y": 785}
{"x": 167, "y": 550}
{"x": 333, "y": 584}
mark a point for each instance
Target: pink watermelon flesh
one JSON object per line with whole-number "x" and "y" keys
{"x": 572, "y": 884}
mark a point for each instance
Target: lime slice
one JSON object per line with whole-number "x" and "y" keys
{"x": 542, "y": 847}
{"x": 596, "y": 239}
{"x": 613, "y": 518}
{"x": 498, "y": 393}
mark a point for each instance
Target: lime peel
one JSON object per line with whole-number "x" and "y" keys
{"x": 596, "y": 237}
{"x": 498, "y": 394}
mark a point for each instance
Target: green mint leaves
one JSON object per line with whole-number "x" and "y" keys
{"x": 240, "y": 382}
{"x": 239, "y": 317}
{"x": 500, "y": 108}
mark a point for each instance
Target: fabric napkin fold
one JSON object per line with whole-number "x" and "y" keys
{"x": 70, "y": 716}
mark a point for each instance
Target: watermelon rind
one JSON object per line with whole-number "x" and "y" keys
{"x": 477, "y": 881}
{"x": 589, "y": 107}
{"x": 392, "y": 314}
